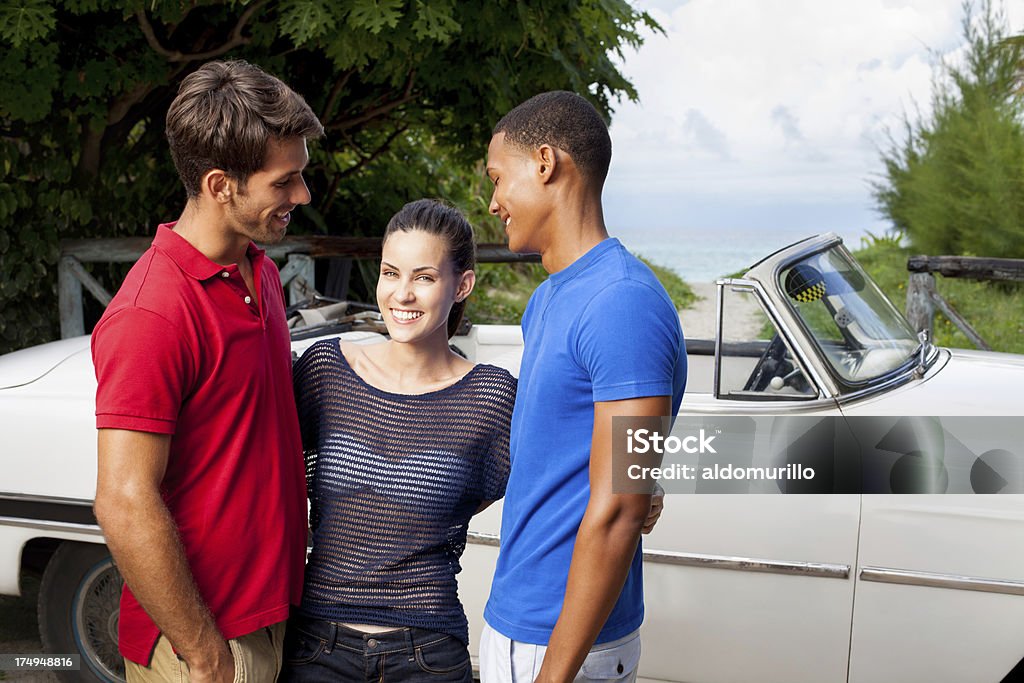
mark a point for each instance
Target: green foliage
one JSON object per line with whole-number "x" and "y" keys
{"x": 304, "y": 20}
{"x": 375, "y": 15}
{"x": 434, "y": 20}
{"x": 503, "y": 290}
{"x": 408, "y": 93}
{"x": 954, "y": 184}
{"x": 25, "y": 21}
{"x": 994, "y": 310}
{"x": 891, "y": 238}
{"x": 682, "y": 296}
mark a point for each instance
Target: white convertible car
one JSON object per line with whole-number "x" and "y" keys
{"x": 828, "y": 588}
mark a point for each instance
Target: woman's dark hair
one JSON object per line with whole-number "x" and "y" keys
{"x": 436, "y": 217}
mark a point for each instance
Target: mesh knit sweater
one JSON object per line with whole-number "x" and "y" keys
{"x": 393, "y": 481}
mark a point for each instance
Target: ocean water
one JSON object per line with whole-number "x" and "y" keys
{"x": 705, "y": 255}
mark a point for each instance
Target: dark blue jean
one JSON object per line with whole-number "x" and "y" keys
{"x": 317, "y": 650}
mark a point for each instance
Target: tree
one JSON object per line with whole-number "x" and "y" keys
{"x": 955, "y": 183}
{"x": 407, "y": 89}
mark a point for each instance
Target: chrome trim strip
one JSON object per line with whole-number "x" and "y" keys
{"x": 482, "y": 539}
{"x": 31, "y": 498}
{"x": 719, "y": 302}
{"x": 767, "y": 408}
{"x": 898, "y": 379}
{"x": 800, "y": 355}
{"x": 748, "y": 564}
{"x": 935, "y": 580}
{"x": 745, "y": 564}
{"x": 90, "y": 529}
{"x": 815, "y": 245}
{"x": 792, "y": 252}
{"x": 782, "y": 328}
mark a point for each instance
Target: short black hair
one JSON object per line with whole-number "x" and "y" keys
{"x": 564, "y": 120}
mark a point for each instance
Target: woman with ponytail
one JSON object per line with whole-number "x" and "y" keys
{"x": 404, "y": 441}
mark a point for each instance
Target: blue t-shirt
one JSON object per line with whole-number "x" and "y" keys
{"x": 603, "y": 329}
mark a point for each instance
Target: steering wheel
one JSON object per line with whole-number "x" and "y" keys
{"x": 772, "y": 364}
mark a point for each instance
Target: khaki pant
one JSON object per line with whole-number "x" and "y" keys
{"x": 257, "y": 659}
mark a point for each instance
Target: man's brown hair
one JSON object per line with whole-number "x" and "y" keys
{"x": 224, "y": 116}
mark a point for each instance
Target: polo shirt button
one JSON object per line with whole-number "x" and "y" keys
{"x": 371, "y": 643}
{"x": 248, "y": 299}
{"x": 225, "y": 273}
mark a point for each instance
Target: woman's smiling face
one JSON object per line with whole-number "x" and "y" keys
{"x": 417, "y": 285}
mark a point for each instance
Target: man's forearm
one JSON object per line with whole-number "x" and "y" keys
{"x": 603, "y": 552}
{"x": 144, "y": 541}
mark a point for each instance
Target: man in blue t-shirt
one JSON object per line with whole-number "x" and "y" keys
{"x": 601, "y": 339}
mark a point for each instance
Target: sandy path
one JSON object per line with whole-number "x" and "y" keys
{"x": 743, "y": 320}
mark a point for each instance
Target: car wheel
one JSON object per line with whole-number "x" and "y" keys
{"x": 79, "y": 601}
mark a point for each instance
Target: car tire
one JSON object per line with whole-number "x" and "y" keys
{"x": 79, "y": 602}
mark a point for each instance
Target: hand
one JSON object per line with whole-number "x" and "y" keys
{"x": 219, "y": 668}
{"x": 657, "y": 505}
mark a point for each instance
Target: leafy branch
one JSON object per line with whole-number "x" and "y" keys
{"x": 370, "y": 114}
{"x": 236, "y": 38}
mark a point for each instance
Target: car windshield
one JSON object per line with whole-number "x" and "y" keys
{"x": 857, "y": 328}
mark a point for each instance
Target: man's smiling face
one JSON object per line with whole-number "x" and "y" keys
{"x": 518, "y": 195}
{"x": 261, "y": 210}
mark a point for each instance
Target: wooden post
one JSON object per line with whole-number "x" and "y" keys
{"x": 339, "y": 272}
{"x": 970, "y": 267}
{"x": 961, "y": 322}
{"x": 89, "y": 282}
{"x": 921, "y": 303}
{"x": 69, "y": 298}
{"x": 303, "y": 283}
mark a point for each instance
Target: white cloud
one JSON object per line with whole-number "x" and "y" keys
{"x": 788, "y": 124}
{"x": 704, "y": 137}
{"x": 775, "y": 102}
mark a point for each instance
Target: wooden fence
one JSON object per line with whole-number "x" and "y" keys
{"x": 923, "y": 299}
{"x": 297, "y": 275}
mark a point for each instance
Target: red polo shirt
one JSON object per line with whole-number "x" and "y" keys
{"x": 184, "y": 350}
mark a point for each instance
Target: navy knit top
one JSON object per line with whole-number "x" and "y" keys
{"x": 393, "y": 481}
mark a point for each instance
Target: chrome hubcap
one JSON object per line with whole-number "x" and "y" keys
{"x": 96, "y": 609}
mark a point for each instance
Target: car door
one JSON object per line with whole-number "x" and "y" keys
{"x": 940, "y": 573}
{"x": 742, "y": 585}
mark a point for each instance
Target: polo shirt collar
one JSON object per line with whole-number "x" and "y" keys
{"x": 190, "y": 259}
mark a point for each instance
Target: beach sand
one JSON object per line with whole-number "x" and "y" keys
{"x": 700, "y": 320}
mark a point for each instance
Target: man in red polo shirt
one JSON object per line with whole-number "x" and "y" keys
{"x": 201, "y": 489}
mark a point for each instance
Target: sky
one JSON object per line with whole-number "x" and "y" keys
{"x": 768, "y": 115}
